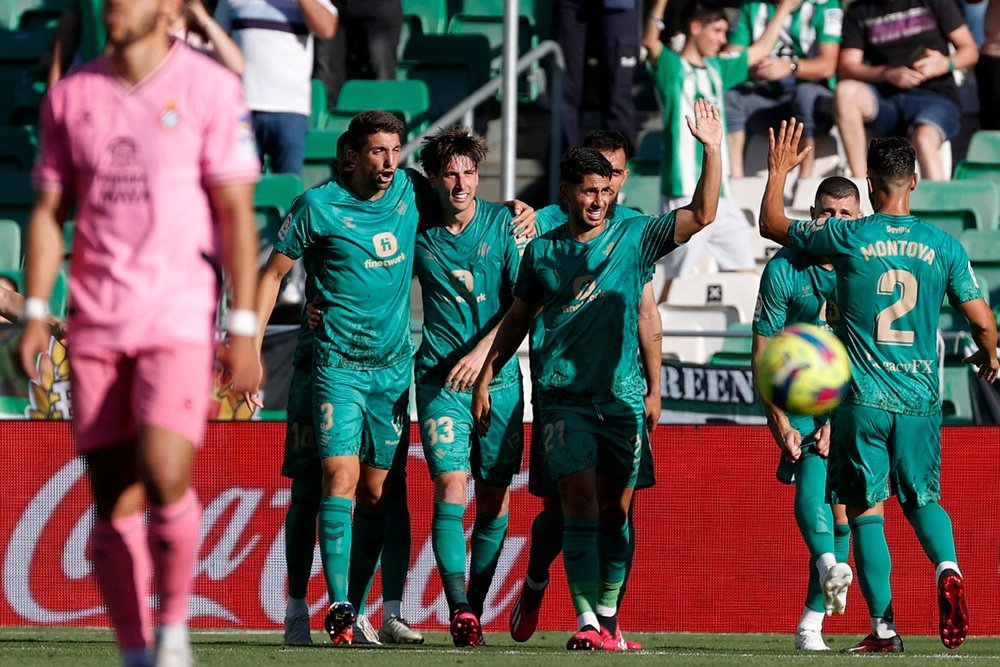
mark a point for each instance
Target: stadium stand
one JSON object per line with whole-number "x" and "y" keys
{"x": 451, "y": 66}
{"x": 272, "y": 199}
{"x": 955, "y": 206}
{"x": 17, "y": 147}
{"x": 10, "y": 245}
{"x": 693, "y": 319}
{"x": 408, "y": 100}
{"x": 321, "y": 154}
{"x": 425, "y": 17}
{"x": 717, "y": 289}
{"x": 16, "y": 197}
{"x": 984, "y": 253}
{"x": 736, "y": 349}
{"x": 642, "y": 192}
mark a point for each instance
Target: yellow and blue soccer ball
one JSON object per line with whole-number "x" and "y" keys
{"x": 804, "y": 370}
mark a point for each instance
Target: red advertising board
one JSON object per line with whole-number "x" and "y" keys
{"x": 718, "y": 550}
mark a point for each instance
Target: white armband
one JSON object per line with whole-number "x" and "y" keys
{"x": 35, "y": 309}
{"x": 242, "y": 323}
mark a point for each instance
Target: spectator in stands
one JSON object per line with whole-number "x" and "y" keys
{"x": 988, "y": 70}
{"x": 197, "y": 27}
{"x": 700, "y": 72}
{"x": 611, "y": 24}
{"x": 793, "y": 80}
{"x": 896, "y": 77}
{"x": 11, "y": 301}
{"x": 364, "y": 47}
{"x": 277, "y": 41}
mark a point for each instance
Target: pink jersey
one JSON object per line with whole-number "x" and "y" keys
{"x": 138, "y": 161}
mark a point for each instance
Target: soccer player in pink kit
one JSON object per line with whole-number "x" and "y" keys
{"x": 153, "y": 142}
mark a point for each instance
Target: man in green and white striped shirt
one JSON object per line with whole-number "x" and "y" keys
{"x": 701, "y": 71}
{"x": 795, "y": 79}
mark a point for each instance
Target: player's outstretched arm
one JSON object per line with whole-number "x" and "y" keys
{"x": 789, "y": 439}
{"x": 654, "y": 28}
{"x": 651, "y": 351}
{"x": 706, "y": 127}
{"x": 233, "y": 206}
{"x": 783, "y": 156}
{"x": 513, "y": 328}
{"x": 44, "y": 253}
{"x": 268, "y": 287}
{"x": 984, "y": 332}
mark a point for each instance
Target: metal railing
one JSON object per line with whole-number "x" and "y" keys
{"x": 548, "y": 48}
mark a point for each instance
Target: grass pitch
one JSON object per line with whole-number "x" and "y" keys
{"x": 84, "y": 647}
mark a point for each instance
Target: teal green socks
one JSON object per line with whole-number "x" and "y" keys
{"x": 932, "y": 525}
{"x": 487, "y": 543}
{"x": 335, "y": 544}
{"x": 871, "y": 555}
{"x": 842, "y": 541}
{"x": 448, "y": 541}
{"x": 583, "y": 570}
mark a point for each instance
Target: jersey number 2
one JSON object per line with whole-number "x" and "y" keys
{"x": 885, "y": 334}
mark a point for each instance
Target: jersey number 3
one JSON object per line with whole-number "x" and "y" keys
{"x": 884, "y": 333}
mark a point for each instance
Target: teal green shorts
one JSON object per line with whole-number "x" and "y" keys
{"x": 301, "y": 456}
{"x": 451, "y": 444}
{"x": 361, "y": 413}
{"x": 876, "y": 453}
{"x": 541, "y": 485}
{"x": 607, "y": 436}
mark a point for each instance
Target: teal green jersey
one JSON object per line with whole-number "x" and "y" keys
{"x": 590, "y": 293}
{"x": 794, "y": 289}
{"x": 546, "y": 220}
{"x": 681, "y": 84}
{"x": 892, "y": 274}
{"x": 466, "y": 282}
{"x": 361, "y": 253}
{"x": 815, "y": 22}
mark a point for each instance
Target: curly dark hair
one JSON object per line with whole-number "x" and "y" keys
{"x": 578, "y": 162}
{"x": 440, "y": 148}
{"x": 891, "y": 160}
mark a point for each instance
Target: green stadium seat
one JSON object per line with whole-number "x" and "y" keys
{"x": 28, "y": 14}
{"x": 429, "y": 16}
{"x": 18, "y": 146}
{"x": 321, "y": 155}
{"x": 492, "y": 28}
{"x": 984, "y": 253}
{"x": 642, "y": 192}
{"x": 984, "y": 147}
{"x": 736, "y": 350}
{"x": 59, "y": 299}
{"x": 10, "y": 245}
{"x": 16, "y": 276}
{"x": 954, "y": 206}
{"x": 648, "y": 154}
{"x": 272, "y": 200}
{"x": 408, "y": 100}
{"x": 956, "y": 397}
{"x": 951, "y": 319}
{"x": 971, "y": 171}
{"x": 469, "y": 51}
{"x": 318, "y": 108}
{"x": 447, "y": 84}
{"x": 16, "y": 197}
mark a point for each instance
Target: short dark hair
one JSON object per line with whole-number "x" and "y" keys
{"x": 367, "y": 123}
{"x": 891, "y": 160}
{"x": 440, "y": 148}
{"x": 608, "y": 141}
{"x": 837, "y": 187}
{"x": 702, "y": 12}
{"x": 578, "y": 162}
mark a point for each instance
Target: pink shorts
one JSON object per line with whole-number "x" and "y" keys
{"x": 114, "y": 394}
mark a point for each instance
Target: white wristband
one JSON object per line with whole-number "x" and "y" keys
{"x": 35, "y": 309}
{"x": 242, "y": 323}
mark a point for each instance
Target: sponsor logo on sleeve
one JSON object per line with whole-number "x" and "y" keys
{"x": 285, "y": 226}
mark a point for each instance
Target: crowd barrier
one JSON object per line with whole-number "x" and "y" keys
{"x": 718, "y": 550}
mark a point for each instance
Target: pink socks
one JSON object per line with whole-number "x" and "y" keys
{"x": 174, "y": 536}
{"x": 122, "y": 567}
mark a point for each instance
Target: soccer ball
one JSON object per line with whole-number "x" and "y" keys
{"x": 804, "y": 370}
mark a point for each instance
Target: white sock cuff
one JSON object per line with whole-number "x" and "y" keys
{"x": 883, "y": 629}
{"x": 811, "y": 620}
{"x": 946, "y": 565}
{"x": 587, "y": 618}
{"x": 605, "y": 611}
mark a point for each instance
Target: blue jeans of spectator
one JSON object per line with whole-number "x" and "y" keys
{"x": 757, "y": 107}
{"x": 898, "y": 113}
{"x": 282, "y": 138}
